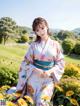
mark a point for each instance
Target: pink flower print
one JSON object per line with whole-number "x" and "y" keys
{"x": 42, "y": 57}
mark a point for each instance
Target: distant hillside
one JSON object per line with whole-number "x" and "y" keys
{"x": 76, "y": 31}
{"x": 28, "y": 29}
{"x": 25, "y": 28}
{"x": 53, "y": 31}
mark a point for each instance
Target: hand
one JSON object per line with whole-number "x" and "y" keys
{"x": 41, "y": 73}
{"x": 44, "y": 75}
{"x": 38, "y": 71}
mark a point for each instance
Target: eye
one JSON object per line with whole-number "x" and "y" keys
{"x": 37, "y": 30}
{"x": 42, "y": 28}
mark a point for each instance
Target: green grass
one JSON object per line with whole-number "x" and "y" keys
{"x": 72, "y": 59}
{"x": 11, "y": 56}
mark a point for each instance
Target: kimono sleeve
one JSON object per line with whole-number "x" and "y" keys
{"x": 26, "y": 68}
{"x": 29, "y": 55}
{"x": 58, "y": 70}
{"x": 27, "y": 63}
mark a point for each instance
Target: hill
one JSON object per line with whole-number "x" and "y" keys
{"x": 76, "y": 31}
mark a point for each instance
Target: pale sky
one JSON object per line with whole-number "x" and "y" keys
{"x": 60, "y": 14}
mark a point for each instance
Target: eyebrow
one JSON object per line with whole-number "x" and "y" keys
{"x": 40, "y": 26}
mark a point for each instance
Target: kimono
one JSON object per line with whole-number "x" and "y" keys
{"x": 52, "y": 59}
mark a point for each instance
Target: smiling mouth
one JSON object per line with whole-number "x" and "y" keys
{"x": 42, "y": 34}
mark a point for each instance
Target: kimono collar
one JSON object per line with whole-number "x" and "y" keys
{"x": 42, "y": 41}
{"x": 45, "y": 45}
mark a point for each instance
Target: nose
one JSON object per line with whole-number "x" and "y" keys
{"x": 40, "y": 30}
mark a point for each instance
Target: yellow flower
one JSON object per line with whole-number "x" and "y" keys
{"x": 22, "y": 102}
{"x": 69, "y": 93}
{"x": 29, "y": 99}
{"x": 1, "y": 96}
{"x": 10, "y": 96}
{"x": 17, "y": 94}
{"x": 59, "y": 88}
{"x": 5, "y": 87}
{"x": 45, "y": 97}
{"x": 8, "y": 103}
{"x": 74, "y": 102}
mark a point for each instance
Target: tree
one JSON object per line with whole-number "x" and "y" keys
{"x": 77, "y": 48}
{"x": 68, "y": 45}
{"x": 25, "y": 38}
{"x": 7, "y": 28}
{"x": 65, "y": 34}
{"x": 22, "y": 30}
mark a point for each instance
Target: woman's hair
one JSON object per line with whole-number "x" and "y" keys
{"x": 36, "y": 23}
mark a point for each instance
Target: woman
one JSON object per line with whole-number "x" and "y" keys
{"x": 43, "y": 65}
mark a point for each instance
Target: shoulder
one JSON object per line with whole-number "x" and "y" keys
{"x": 55, "y": 43}
{"x": 32, "y": 45}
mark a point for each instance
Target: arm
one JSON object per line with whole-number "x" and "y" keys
{"x": 57, "y": 71}
{"x": 24, "y": 71}
{"x": 27, "y": 63}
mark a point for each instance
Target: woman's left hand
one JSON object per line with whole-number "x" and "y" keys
{"x": 44, "y": 74}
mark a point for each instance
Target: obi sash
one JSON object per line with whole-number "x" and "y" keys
{"x": 44, "y": 65}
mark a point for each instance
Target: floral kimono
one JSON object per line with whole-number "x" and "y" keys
{"x": 44, "y": 56}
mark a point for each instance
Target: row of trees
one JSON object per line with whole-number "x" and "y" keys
{"x": 70, "y": 42}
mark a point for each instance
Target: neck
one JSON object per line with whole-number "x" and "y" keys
{"x": 45, "y": 38}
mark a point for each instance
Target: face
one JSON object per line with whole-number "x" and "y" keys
{"x": 41, "y": 31}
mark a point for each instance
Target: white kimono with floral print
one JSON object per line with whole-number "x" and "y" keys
{"x": 38, "y": 86}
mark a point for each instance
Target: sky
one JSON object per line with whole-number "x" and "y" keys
{"x": 60, "y": 14}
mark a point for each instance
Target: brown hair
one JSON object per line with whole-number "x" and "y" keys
{"x": 35, "y": 24}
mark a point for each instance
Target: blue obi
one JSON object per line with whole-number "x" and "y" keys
{"x": 44, "y": 65}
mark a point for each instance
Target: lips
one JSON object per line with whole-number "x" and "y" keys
{"x": 42, "y": 34}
